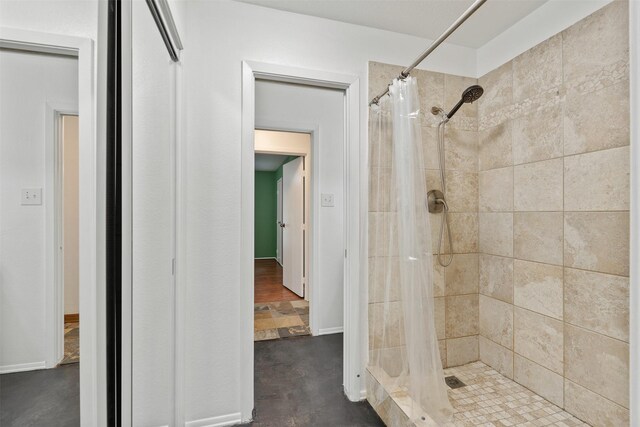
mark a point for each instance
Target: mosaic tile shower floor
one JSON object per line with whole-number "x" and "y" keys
{"x": 492, "y": 400}
{"x": 283, "y": 319}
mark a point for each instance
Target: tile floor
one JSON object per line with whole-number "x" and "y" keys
{"x": 282, "y": 319}
{"x": 71, "y": 343}
{"x": 490, "y": 399}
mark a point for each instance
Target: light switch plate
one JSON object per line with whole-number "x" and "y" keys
{"x": 327, "y": 200}
{"x": 32, "y": 196}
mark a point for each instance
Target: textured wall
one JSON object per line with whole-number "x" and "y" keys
{"x": 554, "y": 220}
{"x": 456, "y": 288}
{"x": 265, "y": 214}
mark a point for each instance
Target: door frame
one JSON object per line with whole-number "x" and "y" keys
{"x": 354, "y": 152}
{"x": 54, "y": 228}
{"x": 278, "y": 219}
{"x": 91, "y": 243}
{"x": 309, "y": 157}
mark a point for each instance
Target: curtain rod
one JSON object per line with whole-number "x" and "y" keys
{"x": 405, "y": 73}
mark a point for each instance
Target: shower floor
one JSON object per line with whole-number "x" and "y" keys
{"x": 488, "y": 400}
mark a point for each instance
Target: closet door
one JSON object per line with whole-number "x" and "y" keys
{"x": 152, "y": 222}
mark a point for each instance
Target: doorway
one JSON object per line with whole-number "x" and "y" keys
{"x": 281, "y": 222}
{"x": 40, "y": 239}
{"x": 66, "y": 199}
{"x": 336, "y": 194}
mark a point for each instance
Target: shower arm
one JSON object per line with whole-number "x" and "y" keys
{"x": 405, "y": 73}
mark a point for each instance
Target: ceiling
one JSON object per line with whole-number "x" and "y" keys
{"x": 422, "y": 18}
{"x": 269, "y": 162}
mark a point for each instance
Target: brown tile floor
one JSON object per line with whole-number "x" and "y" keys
{"x": 280, "y": 319}
{"x": 71, "y": 343}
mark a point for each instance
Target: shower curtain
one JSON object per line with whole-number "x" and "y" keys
{"x": 404, "y": 353}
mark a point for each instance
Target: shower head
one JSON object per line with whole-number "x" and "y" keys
{"x": 470, "y": 94}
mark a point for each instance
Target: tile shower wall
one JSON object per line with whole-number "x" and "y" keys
{"x": 554, "y": 218}
{"x": 456, "y": 287}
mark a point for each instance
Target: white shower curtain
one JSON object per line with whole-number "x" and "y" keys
{"x": 404, "y": 353}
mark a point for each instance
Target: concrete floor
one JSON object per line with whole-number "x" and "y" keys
{"x": 50, "y": 397}
{"x": 298, "y": 382}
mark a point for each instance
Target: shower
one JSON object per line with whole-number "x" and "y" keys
{"x": 436, "y": 199}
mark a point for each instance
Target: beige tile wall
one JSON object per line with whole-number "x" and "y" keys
{"x": 456, "y": 287}
{"x": 554, "y": 221}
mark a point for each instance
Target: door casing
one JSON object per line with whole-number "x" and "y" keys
{"x": 91, "y": 217}
{"x": 355, "y": 219}
{"x": 279, "y": 221}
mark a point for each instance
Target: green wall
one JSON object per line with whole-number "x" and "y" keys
{"x": 265, "y": 214}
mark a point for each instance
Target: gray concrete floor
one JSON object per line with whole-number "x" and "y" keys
{"x": 50, "y": 397}
{"x": 298, "y": 382}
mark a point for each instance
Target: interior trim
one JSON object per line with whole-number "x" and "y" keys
{"x": 114, "y": 215}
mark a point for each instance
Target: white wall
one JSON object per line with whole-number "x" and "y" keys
{"x": 221, "y": 34}
{"x": 324, "y": 109}
{"x": 27, "y": 83}
{"x": 70, "y": 211}
{"x": 69, "y": 17}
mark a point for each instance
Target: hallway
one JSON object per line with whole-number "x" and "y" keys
{"x": 298, "y": 382}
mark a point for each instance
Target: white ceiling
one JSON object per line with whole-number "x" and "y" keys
{"x": 269, "y": 162}
{"x": 422, "y": 18}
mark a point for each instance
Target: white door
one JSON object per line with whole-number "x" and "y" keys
{"x": 292, "y": 230}
{"x": 152, "y": 215}
{"x": 279, "y": 221}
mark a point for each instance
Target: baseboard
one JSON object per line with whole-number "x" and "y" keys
{"x": 72, "y": 318}
{"x": 329, "y": 331}
{"x": 219, "y": 421}
{"x": 21, "y": 367}
{"x": 266, "y": 257}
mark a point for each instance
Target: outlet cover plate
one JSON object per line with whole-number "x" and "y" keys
{"x": 327, "y": 200}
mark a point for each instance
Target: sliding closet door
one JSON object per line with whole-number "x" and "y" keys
{"x": 153, "y": 231}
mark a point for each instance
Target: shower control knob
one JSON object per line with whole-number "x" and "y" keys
{"x": 435, "y": 201}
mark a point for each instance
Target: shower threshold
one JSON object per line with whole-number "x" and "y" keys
{"x": 488, "y": 399}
